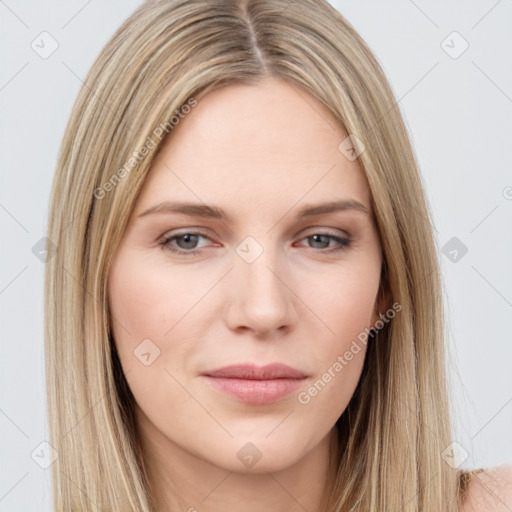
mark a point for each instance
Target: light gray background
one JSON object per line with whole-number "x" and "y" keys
{"x": 458, "y": 111}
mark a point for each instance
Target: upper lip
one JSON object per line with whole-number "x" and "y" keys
{"x": 253, "y": 372}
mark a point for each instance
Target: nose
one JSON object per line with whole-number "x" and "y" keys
{"x": 260, "y": 298}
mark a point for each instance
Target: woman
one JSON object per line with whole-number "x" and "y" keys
{"x": 244, "y": 312}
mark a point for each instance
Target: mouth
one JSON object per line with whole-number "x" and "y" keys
{"x": 256, "y": 384}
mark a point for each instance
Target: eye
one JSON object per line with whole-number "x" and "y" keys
{"x": 186, "y": 243}
{"x": 323, "y": 240}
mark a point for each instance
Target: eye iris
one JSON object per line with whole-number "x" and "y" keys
{"x": 190, "y": 241}
{"x": 316, "y": 238}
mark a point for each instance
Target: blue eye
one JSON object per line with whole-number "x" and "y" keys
{"x": 189, "y": 239}
{"x": 187, "y": 243}
{"x": 343, "y": 243}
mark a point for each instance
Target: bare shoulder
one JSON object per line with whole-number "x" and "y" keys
{"x": 490, "y": 491}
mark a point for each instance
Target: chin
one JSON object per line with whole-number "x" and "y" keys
{"x": 250, "y": 455}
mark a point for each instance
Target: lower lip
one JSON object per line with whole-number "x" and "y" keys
{"x": 255, "y": 391}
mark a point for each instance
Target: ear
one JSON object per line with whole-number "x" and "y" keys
{"x": 383, "y": 302}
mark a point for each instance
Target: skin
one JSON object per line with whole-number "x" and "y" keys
{"x": 490, "y": 491}
{"x": 261, "y": 153}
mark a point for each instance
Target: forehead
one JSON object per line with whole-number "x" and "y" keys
{"x": 257, "y": 144}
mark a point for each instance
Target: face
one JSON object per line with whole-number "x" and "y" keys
{"x": 258, "y": 278}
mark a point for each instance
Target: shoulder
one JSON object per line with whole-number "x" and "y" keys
{"x": 489, "y": 490}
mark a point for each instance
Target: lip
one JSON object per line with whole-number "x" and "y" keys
{"x": 256, "y": 384}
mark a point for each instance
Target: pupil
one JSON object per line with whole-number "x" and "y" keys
{"x": 317, "y": 238}
{"x": 188, "y": 242}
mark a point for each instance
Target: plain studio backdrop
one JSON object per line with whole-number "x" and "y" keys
{"x": 449, "y": 65}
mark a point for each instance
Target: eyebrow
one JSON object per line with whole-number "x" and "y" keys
{"x": 203, "y": 210}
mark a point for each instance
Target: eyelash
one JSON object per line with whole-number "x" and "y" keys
{"x": 344, "y": 243}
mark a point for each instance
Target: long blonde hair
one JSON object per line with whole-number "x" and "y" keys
{"x": 167, "y": 55}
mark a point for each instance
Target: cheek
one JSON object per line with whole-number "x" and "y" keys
{"x": 146, "y": 303}
{"x": 344, "y": 303}
{"x": 151, "y": 328}
{"x": 340, "y": 359}
{"x": 344, "y": 299}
